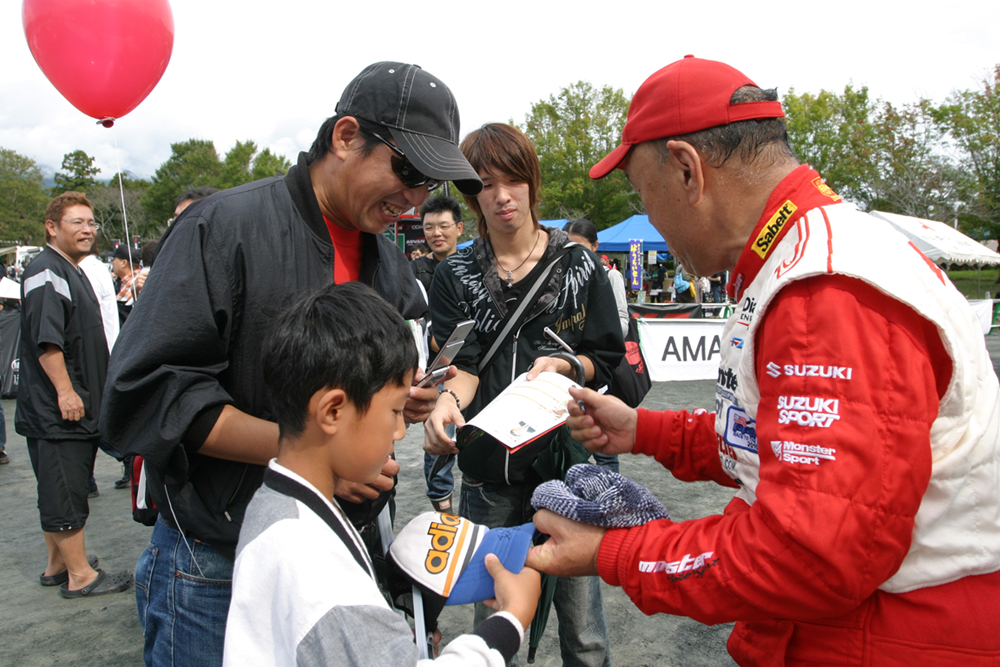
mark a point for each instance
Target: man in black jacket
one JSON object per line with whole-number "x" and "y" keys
{"x": 185, "y": 388}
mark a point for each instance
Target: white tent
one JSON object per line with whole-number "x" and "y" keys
{"x": 941, "y": 243}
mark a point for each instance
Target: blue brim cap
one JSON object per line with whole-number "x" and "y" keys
{"x": 510, "y": 545}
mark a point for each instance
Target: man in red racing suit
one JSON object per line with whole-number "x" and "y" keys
{"x": 866, "y": 528}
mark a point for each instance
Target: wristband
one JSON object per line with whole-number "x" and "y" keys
{"x": 458, "y": 403}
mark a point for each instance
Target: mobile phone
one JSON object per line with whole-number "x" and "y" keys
{"x": 439, "y": 367}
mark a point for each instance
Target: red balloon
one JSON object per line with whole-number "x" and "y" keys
{"x": 104, "y": 56}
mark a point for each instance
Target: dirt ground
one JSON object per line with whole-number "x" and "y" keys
{"x": 41, "y": 629}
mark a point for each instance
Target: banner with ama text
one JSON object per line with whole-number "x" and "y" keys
{"x": 681, "y": 349}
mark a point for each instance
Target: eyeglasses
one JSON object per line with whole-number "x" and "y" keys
{"x": 80, "y": 222}
{"x": 404, "y": 169}
{"x": 430, "y": 229}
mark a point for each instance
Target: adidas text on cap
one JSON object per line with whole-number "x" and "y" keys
{"x": 686, "y": 96}
{"x": 446, "y": 554}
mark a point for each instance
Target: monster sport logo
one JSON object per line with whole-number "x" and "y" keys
{"x": 678, "y": 570}
{"x": 794, "y": 452}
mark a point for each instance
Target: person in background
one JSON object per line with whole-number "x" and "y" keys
{"x": 683, "y": 283}
{"x": 188, "y": 197}
{"x": 441, "y": 219}
{"x": 584, "y": 232}
{"x": 718, "y": 284}
{"x": 104, "y": 287}
{"x": 63, "y": 366}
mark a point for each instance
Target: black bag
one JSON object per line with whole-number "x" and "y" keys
{"x": 630, "y": 382}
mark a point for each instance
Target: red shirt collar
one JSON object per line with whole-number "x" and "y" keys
{"x": 799, "y": 192}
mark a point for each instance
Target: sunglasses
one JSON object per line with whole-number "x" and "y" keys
{"x": 404, "y": 169}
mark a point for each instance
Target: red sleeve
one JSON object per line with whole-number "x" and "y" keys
{"x": 826, "y": 528}
{"x": 685, "y": 443}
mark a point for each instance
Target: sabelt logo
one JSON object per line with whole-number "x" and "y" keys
{"x": 808, "y": 411}
{"x": 762, "y": 244}
{"x": 442, "y": 540}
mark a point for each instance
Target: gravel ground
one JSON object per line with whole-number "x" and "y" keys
{"x": 42, "y": 629}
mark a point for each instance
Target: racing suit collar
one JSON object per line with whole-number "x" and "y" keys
{"x": 799, "y": 192}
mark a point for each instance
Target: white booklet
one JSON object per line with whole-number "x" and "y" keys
{"x": 525, "y": 410}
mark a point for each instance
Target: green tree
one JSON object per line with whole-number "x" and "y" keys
{"x": 195, "y": 162}
{"x": 572, "y": 131}
{"x": 971, "y": 119}
{"x": 834, "y": 134}
{"x": 874, "y": 153}
{"x": 22, "y": 200}
{"x": 244, "y": 163}
{"x": 191, "y": 163}
{"x": 77, "y": 174}
{"x": 107, "y": 201}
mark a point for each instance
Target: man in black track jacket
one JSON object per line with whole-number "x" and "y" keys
{"x": 185, "y": 388}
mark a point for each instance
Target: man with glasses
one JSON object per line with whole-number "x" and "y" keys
{"x": 441, "y": 219}
{"x": 185, "y": 388}
{"x": 64, "y": 361}
{"x": 442, "y": 223}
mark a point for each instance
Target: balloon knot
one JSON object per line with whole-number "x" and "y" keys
{"x": 106, "y": 122}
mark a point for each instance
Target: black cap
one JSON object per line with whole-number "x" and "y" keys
{"x": 122, "y": 252}
{"x": 421, "y": 114}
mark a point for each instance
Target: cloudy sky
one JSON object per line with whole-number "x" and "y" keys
{"x": 271, "y": 72}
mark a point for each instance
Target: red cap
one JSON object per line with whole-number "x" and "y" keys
{"x": 684, "y": 97}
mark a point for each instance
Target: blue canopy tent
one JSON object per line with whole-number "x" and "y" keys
{"x": 617, "y": 237}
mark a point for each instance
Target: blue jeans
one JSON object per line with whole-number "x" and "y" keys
{"x": 442, "y": 484}
{"x": 583, "y": 630}
{"x": 182, "y": 608}
{"x": 3, "y": 430}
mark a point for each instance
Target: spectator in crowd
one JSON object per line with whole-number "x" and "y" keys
{"x": 126, "y": 270}
{"x": 441, "y": 219}
{"x": 683, "y": 285}
{"x": 858, "y": 414}
{"x": 185, "y": 388}
{"x": 486, "y": 281}
{"x": 63, "y": 365}
{"x": 718, "y": 284}
{"x": 187, "y": 198}
{"x": 584, "y": 232}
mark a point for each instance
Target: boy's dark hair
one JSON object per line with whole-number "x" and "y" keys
{"x": 342, "y": 336}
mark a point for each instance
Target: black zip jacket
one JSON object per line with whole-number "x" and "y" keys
{"x": 193, "y": 342}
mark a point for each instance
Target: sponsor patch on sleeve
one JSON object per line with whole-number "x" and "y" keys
{"x": 741, "y": 430}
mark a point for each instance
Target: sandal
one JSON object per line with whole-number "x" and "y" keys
{"x": 63, "y": 577}
{"x": 103, "y": 585}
